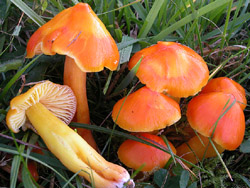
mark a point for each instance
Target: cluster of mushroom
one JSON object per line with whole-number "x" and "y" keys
{"x": 167, "y": 69}
{"x": 217, "y": 112}
{"x": 170, "y": 69}
{"x": 48, "y": 108}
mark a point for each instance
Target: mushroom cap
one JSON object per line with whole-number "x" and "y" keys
{"x": 200, "y": 146}
{"x": 146, "y": 110}
{"x": 78, "y": 33}
{"x": 135, "y": 154}
{"x": 171, "y": 67}
{"x": 204, "y": 110}
{"x": 59, "y": 99}
{"x": 227, "y": 85}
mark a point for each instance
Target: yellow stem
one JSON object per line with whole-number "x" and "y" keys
{"x": 76, "y": 80}
{"x": 73, "y": 151}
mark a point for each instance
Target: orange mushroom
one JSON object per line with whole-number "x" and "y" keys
{"x": 136, "y": 154}
{"x": 204, "y": 114}
{"x": 196, "y": 149}
{"x": 171, "y": 67}
{"x": 79, "y": 34}
{"x": 227, "y": 85}
{"x": 145, "y": 110}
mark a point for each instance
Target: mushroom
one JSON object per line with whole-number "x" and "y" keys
{"x": 42, "y": 106}
{"x": 196, "y": 149}
{"x": 79, "y": 34}
{"x": 136, "y": 154}
{"x": 204, "y": 114}
{"x": 227, "y": 85}
{"x": 145, "y": 110}
{"x": 171, "y": 67}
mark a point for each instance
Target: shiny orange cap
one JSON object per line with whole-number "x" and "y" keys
{"x": 204, "y": 110}
{"x": 78, "y": 33}
{"x": 171, "y": 67}
{"x": 145, "y": 111}
{"x": 135, "y": 154}
{"x": 227, "y": 85}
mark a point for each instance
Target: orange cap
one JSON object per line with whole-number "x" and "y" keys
{"x": 145, "y": 111}
{"x": 171, "y": 67}
{"x": 135, "y": 154}
{"x": 78, "y": 33}
{"x": 227, "y": 85}
{"x": 204, "y": 110}
{"x": 196, "y": 149}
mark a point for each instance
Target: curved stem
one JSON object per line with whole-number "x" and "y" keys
{"x": 76, "y": 80}
{"x": 74, "y": 152}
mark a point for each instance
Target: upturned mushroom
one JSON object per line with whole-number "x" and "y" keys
{"x": 145, "y": 110}
{"x": 79, "y": 34}
{"x": 171, "y": 67}
{"x": 217, "y": 115}
{"x": 136, "y": 154}
{"x": 47, "y": 107}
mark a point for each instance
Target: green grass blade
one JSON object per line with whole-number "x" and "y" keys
{"x": 70, "y": 179}
{"x": 27, "y": 181}
{"x": 142, "y": 13}
{"x": 223, "y": 37}
{"x": 105, "y": 89}
{"x": 125, "y": 52}
{"x": 220, "y": 66}
{"x": 244, "y": 78}
{"x": 238, "y": 23}
{"x": 15, "y": 77}
{"x": 169, "y": 148}
{"x": 150, "y": 19}
{"x": 130, "y": 76}
{"x": 17, "y": 161}
{"x": 200, "y": 12}
{"x": 15, "y": 166}
{"x": 10, "y": 65}
{"x": 12, "y": 151}
{"x": 218, "y": 154}
{"x": 247, "y": 181}
{"x": 125, "y": 44}
{"x": 78, "y": 182}
{"x": 137, "y": 171}
{"x": 29, "y": 12}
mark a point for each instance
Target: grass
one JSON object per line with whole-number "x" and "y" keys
{"x": 218, "y": 30}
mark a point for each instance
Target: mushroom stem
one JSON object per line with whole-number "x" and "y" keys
{"x": 73, "y": 151}
{"x": 76, "y": 80}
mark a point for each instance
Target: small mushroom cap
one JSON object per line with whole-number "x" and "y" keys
{"x": 145, "y": 111}
{"x": 171, "y": 67}
{"x": 78, "y": 33}
{"x": 59, "y": 99}
{"x": 227, "y": 85}
{"x": 200, "y": 146}
{"x": 135, "y": 154}
{"x": 204, "y": 110}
